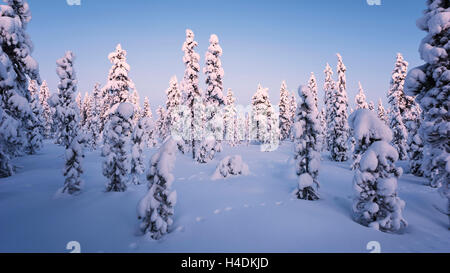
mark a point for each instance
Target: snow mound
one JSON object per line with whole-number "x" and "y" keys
{"x": 124, "y": 109}
{"x": 20, "y": 105}
{"x": 230, "y": 165}
{"x": 367, "y": 126}
{"x": 387, "y": 186}
{"x": 432, "y": 54}
{"x": 378, "y": 152}
{"x": 302, "y": 89}
{"x": 414, "y": 81}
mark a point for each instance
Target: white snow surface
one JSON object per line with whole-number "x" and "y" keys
{"x": 125, "y": 109}
{"x": 32, "y": 221}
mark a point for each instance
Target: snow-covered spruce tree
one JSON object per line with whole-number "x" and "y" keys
{"x": 360, "y": 99}
{"x": 370, "y": 106}
{"x": 85, "y": 104}
{"x": 8, "y": 131}
{"x": 178, "y": 116}
{"x": 21, "y": 9}
{"x": 44, "y": 95}
{"x": 38, "y": 119}
{"x": 430, "y": 83}
{"x": 285, "y": 112}
{"x": 161, "y": 123}
{"x": 329, "y": 88}
{"x": 147, "y": 111}
{"x": 54, "y": 101}
{"x": 138, "y": 141}
{"x": 312, "y": 85}
{"x": 214, "y": 98}
{"x": 214, "y": 129}
{"x": 400, "y": 136}
{"x": 78, "y": 102}
{"x": 396, "y": 96}
{"x": 119, "y": 84}
{"x": 17, "y": 67}
{"x": 382, "y": 115}
{"x": 190, "y": 81}
{"x": 260, "y": 115}
{"x": 229, "y": 118}
{"x": 149, "y": 124}
{"x": 181, "y": 129}
{"x": 68, "y": 116}
{"x": 35, "y": 124}
{"x": 339, "y": 130}
{"x": 73, "y": 168}
{"x": 415, "y": 144}
{"x": 67, "y": 110}
{"x": 293, "y": 109}
{"x": 273, "y": 131}
{"x": 236, "y": 127}
{"x": 135, "y": 100}
{"x": 214, "y": 73}
{"x": 19, "y": 109}
{"x": 156, "y": 209}
{"x": 376, "y": 204}
{"x": 116, "y": 148}
{"x": 8, "y": 125}
{"x": 89, "y": 113}
{"x": 94, "y": 125}
{"x": 103, "y": 110}
{"x": 173, "y": 101}
{"x": 374, "y": 131}
{"x": 323, "y": 128}
{"x": 241, "y": 128}
{"x": 400, "y": 107}
{"x": 307, "y": 146}
{"x": 203, "y": 145}
{"x": 247, "y": 128}
{"x": 150, "y": 132}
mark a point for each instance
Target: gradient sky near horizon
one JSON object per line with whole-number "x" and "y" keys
{"x": 263, "y": 41}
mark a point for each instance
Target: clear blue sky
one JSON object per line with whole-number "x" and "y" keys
{"x": 263, "y": 41}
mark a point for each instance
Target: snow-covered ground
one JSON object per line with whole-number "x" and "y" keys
{"x": 254, "y": 213}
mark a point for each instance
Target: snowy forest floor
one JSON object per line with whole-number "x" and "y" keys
{"x": 255, "y": 213}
